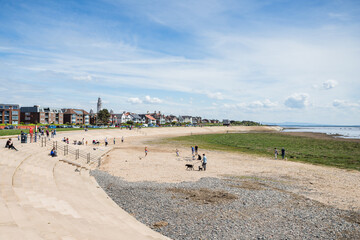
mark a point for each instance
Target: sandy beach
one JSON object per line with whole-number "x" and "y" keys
{"x": 328, "y": 185}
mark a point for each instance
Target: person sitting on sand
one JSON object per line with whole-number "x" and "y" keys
{"x": 53, "y": 153}
{"x": 9, "y": 144}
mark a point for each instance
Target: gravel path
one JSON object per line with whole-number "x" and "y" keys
{"x": 229, "y": 208}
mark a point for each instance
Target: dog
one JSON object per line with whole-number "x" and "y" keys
{"x": 200, "y": 168}
{"x": 189, "y": 166}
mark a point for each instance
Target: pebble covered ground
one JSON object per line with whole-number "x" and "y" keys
{"x": 229, "y": 208}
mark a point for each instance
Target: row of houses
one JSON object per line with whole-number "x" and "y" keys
{"x": 14, "y": 114}
{"x": 156, "y": 118}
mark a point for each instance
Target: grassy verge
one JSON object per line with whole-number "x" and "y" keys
{"x": 9, "y": 132}
{"x": 330, "y": 152}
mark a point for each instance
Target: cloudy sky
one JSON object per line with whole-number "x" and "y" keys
{"x": 267, "y": 61}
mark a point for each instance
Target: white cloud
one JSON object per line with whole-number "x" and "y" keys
{"x": 253, "y": 105}
{"x": 149, "y": 99}
{"x": 329, "y": 84}
{"x": 297, "y": 100}
{"x": 86, "y": 78}
{"x": 216, "y": 95}
{"x": 343, "y": 103}
{"x": 135, "y": 100}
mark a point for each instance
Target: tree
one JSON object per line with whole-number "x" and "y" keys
{"x": 103, "y": 116}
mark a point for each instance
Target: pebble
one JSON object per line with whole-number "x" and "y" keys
{"x": 269, "y": 213}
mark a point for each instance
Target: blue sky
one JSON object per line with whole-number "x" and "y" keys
{"x": 267, "y": 61}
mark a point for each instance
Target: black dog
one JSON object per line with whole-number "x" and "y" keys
{"x": 189, "y": 166}
{"x": 200, "y": 168}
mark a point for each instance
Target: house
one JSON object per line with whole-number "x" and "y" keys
{"x": 205, "y": 120}
{"x": 124, "y": 118}
{"x": 160, "y": 118}
{"x": 196, "y": 120}
{"x": 148, "y": 118}
{"x": 185, "y": 119}
{"x": 171, "y": 119}
{"x": 76, "y": 116}
{"x": 9, "y": 114}
{"x": 137, "y": 119}
{"x": 43, "y": 115}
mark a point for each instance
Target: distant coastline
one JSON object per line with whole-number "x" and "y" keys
{"x": 350, "y": 132}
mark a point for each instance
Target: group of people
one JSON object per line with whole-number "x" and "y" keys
{"x": 194, "y": 152}
{"x": 277, "y": 153}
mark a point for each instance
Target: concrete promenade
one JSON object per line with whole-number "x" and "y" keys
{"x": 46, "y": 198}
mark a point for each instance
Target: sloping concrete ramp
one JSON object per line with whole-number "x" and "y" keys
{"x": 44, "y": 198}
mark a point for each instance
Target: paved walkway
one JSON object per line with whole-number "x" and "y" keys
{"x": 44, "y": 198}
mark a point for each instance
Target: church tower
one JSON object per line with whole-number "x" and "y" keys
{"x": 99, "y": 105}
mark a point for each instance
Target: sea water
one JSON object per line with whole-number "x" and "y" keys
{"x": 341, "y": 131}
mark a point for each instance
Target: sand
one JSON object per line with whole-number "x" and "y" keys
{"x": 332, "y": 186}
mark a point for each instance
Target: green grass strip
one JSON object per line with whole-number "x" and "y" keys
{"x": 329, "y": 152}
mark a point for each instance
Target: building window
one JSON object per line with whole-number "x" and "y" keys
{"x": 14, "y": 122}
{"x": 15, "y": 117}
{"x": 15, "y": 113}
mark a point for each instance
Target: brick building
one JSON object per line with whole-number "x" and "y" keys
{"x": 43, "y": 115}
{"x": 76, "y": 116}
{"x": 9, "y": 114}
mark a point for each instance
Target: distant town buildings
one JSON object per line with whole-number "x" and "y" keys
{"x": 9, "y": 114}
{"x": 14, "y": 114}
{"x": 43, "y": 115}
{"x": 76, "y": 116}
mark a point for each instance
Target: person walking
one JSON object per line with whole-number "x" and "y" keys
{"x": 283, "y": 153}
{"x": 177, "y": 152}
{"x": 122, "y": 139}
{"x": 106, "y": 142}
{"x": 192, "y": 150}
{"x": 114, "y": 141}
{"x": 196, "y": 149}
{"x": 204, "y": 162}
{"x": 276, "y": 153}
{"x": 146, "y": 151}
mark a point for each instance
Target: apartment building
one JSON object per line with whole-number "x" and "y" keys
{"x": 9, "y": 114}
{"x": 76, "y": 116}
{"x": 43, "y": 115}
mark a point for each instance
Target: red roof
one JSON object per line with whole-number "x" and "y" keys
{"x": 150, "y": 117}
